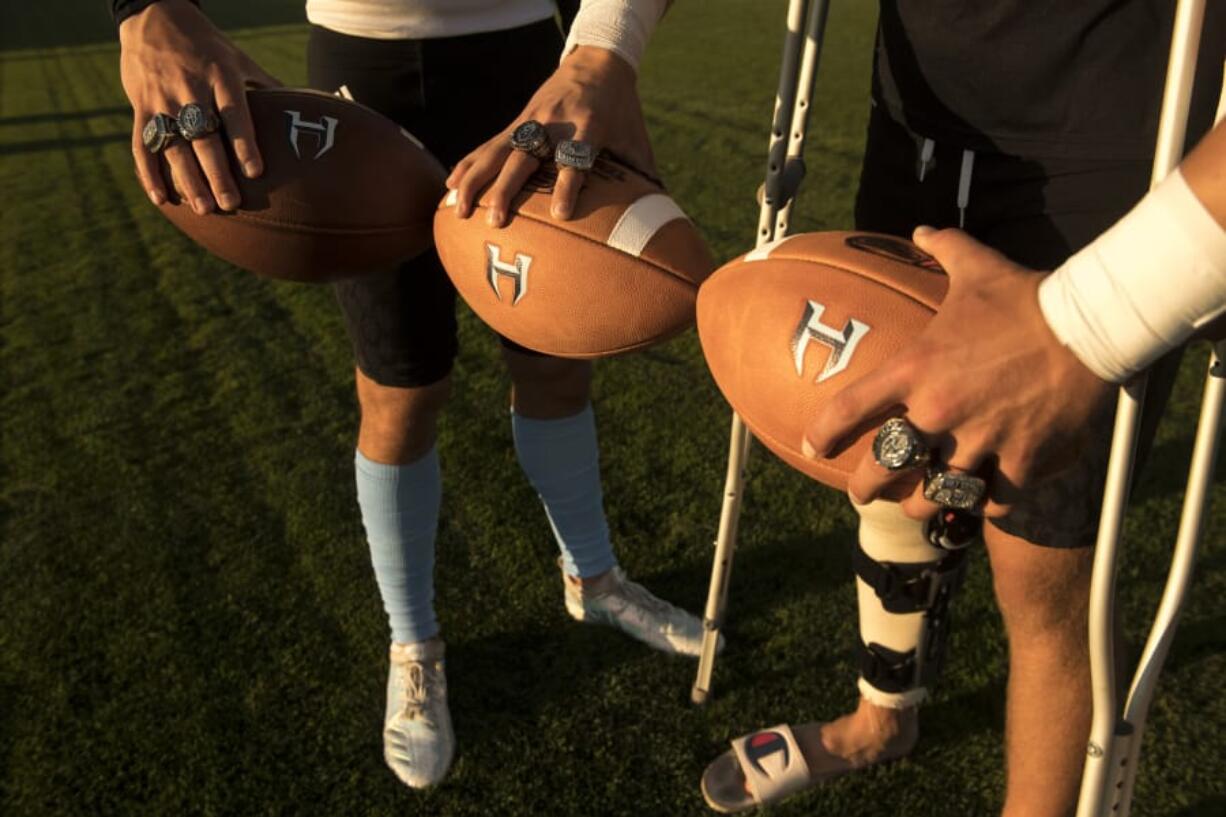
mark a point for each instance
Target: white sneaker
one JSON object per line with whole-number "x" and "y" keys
{"x": 418, "y": 742}
{"x": 627, "y": 605}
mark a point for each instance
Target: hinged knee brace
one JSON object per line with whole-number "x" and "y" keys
{"x": 904, "y": 584}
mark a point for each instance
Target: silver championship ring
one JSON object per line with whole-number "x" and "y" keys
{"x": 575, "y": 154}
{"x": 898, "y": 446}
{"x": 532, "y": 138}
{"x": 159, "y": 132}
{"x": 197, "y": 122}
{"x": 958, "y": 491}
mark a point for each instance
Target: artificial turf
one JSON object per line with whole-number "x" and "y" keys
{"x": 188, "y": 621}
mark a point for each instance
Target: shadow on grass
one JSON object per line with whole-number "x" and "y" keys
{"x": 1165, "y": 472}
{"x": 67, "y": 23}
{"x": 43, "y": 145}
{"x": 65, "y": 116}
{"x": 947, "y": 720}
{"x": 1213, "y": 806}
{"x": 1196, "y": 640}
{"x": 499, "y": 677}
{"x": 791, "y": 569}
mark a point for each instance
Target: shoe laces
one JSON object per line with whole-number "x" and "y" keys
{"x": 639, "y": 596}
{"x": 415, "y": 682}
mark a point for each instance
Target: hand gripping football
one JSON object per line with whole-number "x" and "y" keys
{"x": 620, "y": 275}
{"x": 787, "y": 326}
{"x": 344, "y": 191}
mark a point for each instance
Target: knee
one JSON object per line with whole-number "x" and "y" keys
{"x": 548, "y": 387}
{"x": 1042, "y": 591}
{"x": 398, "y": 424}
{"x": 401, "y": 407}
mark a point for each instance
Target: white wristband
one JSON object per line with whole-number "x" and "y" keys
{"x": 1141, "y": 288}
{"x": 621, "y": 26}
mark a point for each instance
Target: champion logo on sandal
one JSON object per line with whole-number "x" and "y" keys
{"x": 762, "y": 750}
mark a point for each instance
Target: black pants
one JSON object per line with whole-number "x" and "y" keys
{"x": 1038, "y": 212}
{"x": 453, "y": 94}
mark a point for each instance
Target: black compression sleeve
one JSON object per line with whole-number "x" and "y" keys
{"x": 123, "y": 9}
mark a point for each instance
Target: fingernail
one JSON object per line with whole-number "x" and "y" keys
{"x": 201, "y": 206}
{"x": 494, "y": 218}
{"x": 228, "y": 201}
{"x": 156, "y": 197}
{"x": 807, "y": 448}
{"x": 251, "y": 168}
{"x": 923, "y": 231}
{"x": 560, "y": 213}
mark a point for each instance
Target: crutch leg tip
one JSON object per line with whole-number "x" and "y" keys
{"x": 699, "y": 696}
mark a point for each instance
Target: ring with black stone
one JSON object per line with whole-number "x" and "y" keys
{"x": 197, "y": 122}
{"x": 159, "y": 132}
{"x": 575, "y": 154}
{"x": 532, "y": 138}
{"x": 898, "y": 446}
{"x": 954, "y": 489}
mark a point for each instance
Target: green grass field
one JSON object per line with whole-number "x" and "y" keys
{"x": 188, "y": 621}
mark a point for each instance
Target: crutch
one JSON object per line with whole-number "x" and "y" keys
{"x": 1114, "y": 747}
{"x": 785, "y": 169}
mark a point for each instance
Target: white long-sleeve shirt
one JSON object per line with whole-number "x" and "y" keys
{"x": 424, "y": 19}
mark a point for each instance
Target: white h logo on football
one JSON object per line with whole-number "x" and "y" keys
{"x": 325, "y": 131}
{"x": 517, "y": 272}
{"x": 842, "y": 343}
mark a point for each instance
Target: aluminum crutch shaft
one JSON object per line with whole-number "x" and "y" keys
{"x": 1109, "y": 734}
{"x": 806, "y": 23}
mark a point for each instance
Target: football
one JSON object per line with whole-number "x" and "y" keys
{"x": 788, "y": 325}
{"x": 620, "y": 275}
{"x": 344, "y": 191}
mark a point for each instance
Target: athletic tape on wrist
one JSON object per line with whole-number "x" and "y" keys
{"x": 621, "y": 26}
{"x": 1141, "y": 288}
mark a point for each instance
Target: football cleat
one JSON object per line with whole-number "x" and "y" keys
{"x": 418, "y": 742}
{"x": 618, "y": 602}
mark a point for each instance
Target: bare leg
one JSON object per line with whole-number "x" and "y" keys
{"x": 1043, "y": 594}
{"x": 399, "y": 425}
{"x": 547, "y": 388}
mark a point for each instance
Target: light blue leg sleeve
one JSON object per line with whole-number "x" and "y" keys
{"x": 561, "y": 460}
{"x": 400, "y": 512}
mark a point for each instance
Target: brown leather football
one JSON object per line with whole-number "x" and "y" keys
{"x": 344, "y": 191}
{"x": 622, "y": 274}
{"x": 790, "y": 324}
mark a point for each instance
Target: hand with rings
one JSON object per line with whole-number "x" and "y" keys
{"x": 187, "y": 83}
{"x": 994, "y": 402}
{"x": 589, "y": 104}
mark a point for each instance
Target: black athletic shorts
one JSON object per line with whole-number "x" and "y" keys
{"x": 453, "y": 94}
{"x": 1038, "y": 212}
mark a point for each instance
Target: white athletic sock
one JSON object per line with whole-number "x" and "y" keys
{"x": 400, "y": 513}
{"x": 561, "y": 460}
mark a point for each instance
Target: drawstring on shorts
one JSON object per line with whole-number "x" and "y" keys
{"x": 925, "y": 150}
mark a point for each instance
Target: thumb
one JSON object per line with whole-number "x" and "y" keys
{"x": 961, "y": 256}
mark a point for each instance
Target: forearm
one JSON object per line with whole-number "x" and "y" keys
{"x": 1153, "y": 279}
{"x": 621, "y": 26}
{"x": 1205, "y": 172}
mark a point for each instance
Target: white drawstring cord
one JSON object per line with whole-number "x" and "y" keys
{"x": 925, "y": 158}
{"x": 964, "y": 185}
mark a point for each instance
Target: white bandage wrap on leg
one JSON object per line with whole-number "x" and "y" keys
{"x": 621, "y": 26}
{"x": 1141, "y": 288}
{"x": 901, "y": 650}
